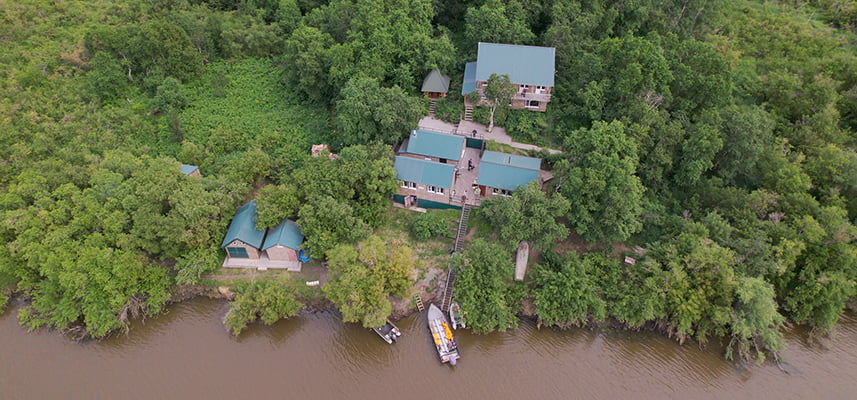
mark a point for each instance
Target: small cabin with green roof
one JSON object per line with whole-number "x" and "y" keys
{"x": 530, "y": 69}
{"x": 435, "y": 85}
{"x": 500, "y": 173}
{"x": 283, "y": 241}
{"x": 190, "y": 170}
{"x": 242, "y": 239}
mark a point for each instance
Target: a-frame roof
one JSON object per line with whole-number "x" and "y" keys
{"x": 243, "y": 227}
{"x": 286, "y": 233}
{"x": 436, "y": 82}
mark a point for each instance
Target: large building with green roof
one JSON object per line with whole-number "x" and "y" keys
{"x": 530, "y": 68}
{"x": 501, "y": 173}
{"x": 426, "y": 166}
{"x": 439, "y": 147}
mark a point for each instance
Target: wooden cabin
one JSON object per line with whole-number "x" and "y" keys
{"x": 190, "y": 170}
{"x": 283, "y": 242}
{"x": 242, "y": 239}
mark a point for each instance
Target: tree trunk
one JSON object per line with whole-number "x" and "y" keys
{"x": 491, "y": 118}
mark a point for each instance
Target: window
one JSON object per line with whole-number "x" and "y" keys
{"x": 541, "y": 89}
{"x": 434, "y": 189}
{"x": 409, "y": 185}
{"x": 532, "y": 104}
{"x": 524, "y": 89}
{"x": 502, "y": 192}
{"x": 237, "y": 252}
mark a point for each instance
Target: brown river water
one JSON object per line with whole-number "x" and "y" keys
{"x": 187, "y": 354}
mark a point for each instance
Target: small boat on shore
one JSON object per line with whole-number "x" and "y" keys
{"x": 455, "y": 316}
{"x": 389, "y": 332}
{"x": 447, "y": 349}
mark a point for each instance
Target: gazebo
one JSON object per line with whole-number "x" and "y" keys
{"x": 435, "y": 84}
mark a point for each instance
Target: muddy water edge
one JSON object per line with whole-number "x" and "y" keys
{"x": 187, "y": 354}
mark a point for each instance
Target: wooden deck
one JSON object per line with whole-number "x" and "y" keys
{"x": 262, "y": 263}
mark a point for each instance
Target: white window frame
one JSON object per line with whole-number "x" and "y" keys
{"x": 540, "y": 89}
{"x": 409, "y": 185}
{"x": 434, "y": 189}
{"x": 529, "y": 103}
{"x": 522, "y": 88}
{"x": 501, "y": 192}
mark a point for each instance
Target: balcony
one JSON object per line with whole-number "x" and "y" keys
{"x": 541, "y": 97}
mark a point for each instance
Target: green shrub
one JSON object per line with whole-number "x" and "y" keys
{"x": 448, "y": 110}
{"x": 429, "y": 225}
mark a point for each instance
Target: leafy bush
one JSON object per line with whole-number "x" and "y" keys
{"x": 448, "y": 109}
{"x": 429, "y": 225}
{"x": 267, "y": 300}
{"x": 527, "y": 126}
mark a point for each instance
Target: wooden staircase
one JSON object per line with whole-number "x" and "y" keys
{"x": 447, "y": 290}
{"x": 468, "y": 112}
{"x": 462, "y": 227}
{"x": 446, "y": 300}
{"x": 432, "y": 107}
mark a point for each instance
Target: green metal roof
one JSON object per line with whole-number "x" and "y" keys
{"x": 469, "y": 84}
{"x": 504, "y": 176}
{"x": 425, "y": 172}
{"x": 524, "y": 64}
{"x": 433, "y": 144}
{"x": 507, "y": 171}
{"x": 512, "y": 160}
{"x": 188, "y": 169}
{"x": 286, "y": 233}
{"x": 243, "y": 227}
{"x": 436, "y": 82}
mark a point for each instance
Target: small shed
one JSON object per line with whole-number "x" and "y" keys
{"x": 190, "y": 170}
{"x": 242, "y": 239}
{"x": 284, "y": 241}
{"x": 435, "y": 84}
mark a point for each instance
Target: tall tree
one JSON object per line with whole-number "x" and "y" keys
{"x": 598, "y": 178}
{"x": 327, "y": 222}
{"x": 363, "y": 276}
{"x": 498, "y": 93}
{"x": 528, "y": 215}
{"x": 368, "y": 112}
{"x": 484, "y": 288}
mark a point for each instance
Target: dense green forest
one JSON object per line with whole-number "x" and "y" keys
{"x": 719, "y": 137}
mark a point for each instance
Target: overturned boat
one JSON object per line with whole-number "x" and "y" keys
{"x": 389, "y": 332}
{"x": 447, "y": 349}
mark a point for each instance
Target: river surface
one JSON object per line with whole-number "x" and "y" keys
{"x": 187, "y": 354}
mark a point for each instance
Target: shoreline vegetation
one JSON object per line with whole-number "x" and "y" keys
{"x": 717, "y": 146}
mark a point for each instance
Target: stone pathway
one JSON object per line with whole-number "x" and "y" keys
{"x": 466, "y": 128}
